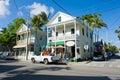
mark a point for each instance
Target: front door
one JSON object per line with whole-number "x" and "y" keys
{"x": 73, "y": 51}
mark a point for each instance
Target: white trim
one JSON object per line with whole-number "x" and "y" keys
{"x": 58, "y": 24}
{"x": 54, "y": 17}
{"x": 20, "y": 46}
{"x": 76, "y": 55}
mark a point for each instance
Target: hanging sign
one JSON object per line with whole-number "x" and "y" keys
{"x": 70, "y": 43}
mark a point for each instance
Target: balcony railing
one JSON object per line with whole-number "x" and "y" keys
{"x": 65, "y": 37}
{"x": 23, "y": 42}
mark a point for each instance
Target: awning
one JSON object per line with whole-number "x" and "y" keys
{"x": 19, "y": 46}
{"x": 59, "y": 46}
{"x": 55, "y": 43}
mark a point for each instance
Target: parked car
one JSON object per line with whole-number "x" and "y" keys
{"x": 109, "y": 54}
{"x": 7, "y": 55}
{"x": 46, "y": 58}
{"x": 98, "y": 56}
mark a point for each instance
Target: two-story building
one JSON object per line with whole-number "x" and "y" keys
{"x": 26, "y": 40}
{"x": 66, "y": 34}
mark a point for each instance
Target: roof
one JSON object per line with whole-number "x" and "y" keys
{"x": 67, "y": 17}
{"x": 24, "y": 28}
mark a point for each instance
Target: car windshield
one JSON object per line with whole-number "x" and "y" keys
{"x": 5, "y": 53}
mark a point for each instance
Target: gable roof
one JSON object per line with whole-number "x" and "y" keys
{"x": 65, "y": 17}
{"x": 24, "y": 28}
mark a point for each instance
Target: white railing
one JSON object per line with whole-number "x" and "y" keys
{"x": 72, "y": 36}
{"x": 23, "y": 42}
{"x": 64, "y": 37}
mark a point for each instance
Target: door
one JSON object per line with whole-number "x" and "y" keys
{"x": 73, "y": 51}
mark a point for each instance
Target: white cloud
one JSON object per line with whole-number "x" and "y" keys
{"x": 4, "y": 4}
{"x": 37, "y": 8}
{"x": 20, "y": 13}
{"x": 51, "y": 10}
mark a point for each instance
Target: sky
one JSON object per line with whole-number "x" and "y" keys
{"x": 110, "y": 10}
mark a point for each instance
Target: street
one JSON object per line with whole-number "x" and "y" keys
{"x": 25, "y": 70}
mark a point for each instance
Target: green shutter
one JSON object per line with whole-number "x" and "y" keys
{"x": 59, "y": 19}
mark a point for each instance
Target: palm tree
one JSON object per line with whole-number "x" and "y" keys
{"x": 37, "y": 22}
{"x": 118, "y": 32}
{"x": 93, "y": 21}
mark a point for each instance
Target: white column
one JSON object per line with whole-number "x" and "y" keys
{"x": 64, "y": 38}
{"x": 75, "y": 40}
{"x": 55, "y": 34}
{"x": 47, "y": 35}
{"x": 55, "y": 39}
{"x": 64, "y": 32}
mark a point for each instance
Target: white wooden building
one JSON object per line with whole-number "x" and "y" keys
{"x": 68, "y": 33}
{"x": 26, "y": 40}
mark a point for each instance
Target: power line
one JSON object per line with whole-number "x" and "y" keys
{"x": 115, "y": 21}
{"x": 61, "y": 7}
{"x": 16, "y": 5}
{"x": 103, "y": 11}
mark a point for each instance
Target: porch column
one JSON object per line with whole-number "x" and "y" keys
{"x": 47, "y": 35}
{"x": 64, "y": 38}
{"x": 75, "y": 40}
{"x": 55, "y": 39}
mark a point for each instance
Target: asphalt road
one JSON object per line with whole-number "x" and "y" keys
{"x": 25, "y": 70}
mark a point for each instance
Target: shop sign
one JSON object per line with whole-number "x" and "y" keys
{"x": 70, "y": 43}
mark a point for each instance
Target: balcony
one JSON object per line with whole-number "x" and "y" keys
{"x": 65, "y": 37}
{"x": 23, "y": 42}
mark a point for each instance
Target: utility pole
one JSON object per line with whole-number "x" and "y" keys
{"x": 27, "y": 35}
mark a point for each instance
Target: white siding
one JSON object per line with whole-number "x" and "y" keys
{"x": 22, "y": 28}
{"x": 64, "y": 17}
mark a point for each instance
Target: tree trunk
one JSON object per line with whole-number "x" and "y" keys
{"x": 35, "y": 43}
{"x": 8, "y": 48}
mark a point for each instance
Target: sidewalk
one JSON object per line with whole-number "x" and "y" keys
{"x": 114, "y": 62}
{"x": 107, "y": 64}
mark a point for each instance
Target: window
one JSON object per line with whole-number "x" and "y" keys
{"x": 91, "y": 49}
{"x": 91, "y": 35}
{"x": 56, "y": 33}
{"x": 22, "y": 36}
{"x": 41, "y": 37}
{"x": 31, "y": 47}
{"x": 87, "y": 34}
{"x": 72, "y": 31}
{"x": 18, "y": 37}
{"x": 63, "y": 31}
{"x": 59, "y": 19}
{"x": 83, "y": 31}
{"x": 78, "y": 50}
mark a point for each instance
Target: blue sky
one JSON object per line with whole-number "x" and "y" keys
{"x": 110, "y": 10}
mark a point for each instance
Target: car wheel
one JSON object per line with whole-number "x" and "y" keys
{"x": 33, "y": 60}
{"x": 46, "y": 61}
